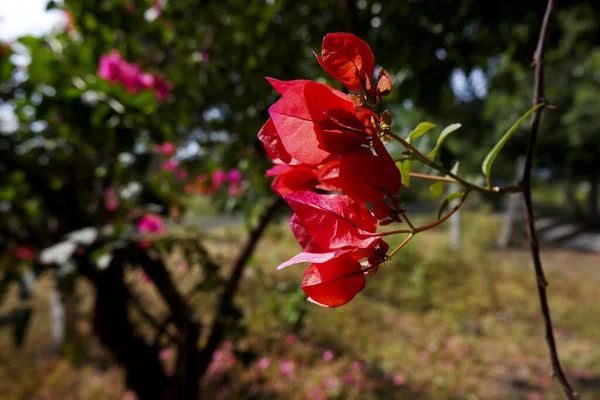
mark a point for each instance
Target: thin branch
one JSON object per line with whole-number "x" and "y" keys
{"x": 401, "y": 245}
{"x": 218, "y": 328}
{"x": 454, "y": 209}
{"x": 160, "y": 326}
{"x": 538, "y": 97}
{"x": 432, "y": 177}
{"x": 157, "y": 271}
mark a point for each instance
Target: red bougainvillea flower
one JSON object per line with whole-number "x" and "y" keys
{"x": 335, "y": 282}
{"x": 290, "y": 178}
{"x": 324, "y": 140}
{"x": 334, "y": 221}
{"x": 300, "y": 120}
{"x": 273, "y": 146}
{"x": 348, "y": 59}
{"x": 368, "y": 177}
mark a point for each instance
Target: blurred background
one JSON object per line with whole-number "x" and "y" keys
{"x": 136, "y": 256}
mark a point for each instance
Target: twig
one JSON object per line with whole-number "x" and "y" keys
{"x": 538, "y": 97}
{"x": 432, "y": 177}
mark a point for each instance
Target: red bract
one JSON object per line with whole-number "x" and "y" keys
{"x": 367, "y": 177}
{"x": 272, "y": 143}
{"x": 348, "y": 59}
{"x": 335, "y": 282}
{"x": 298, "y": 116}
{"x": 328, "y": 175}
{"x": 283, "y": 86}
{"x": 334, "y": 221}
{"x": 292, "y": 178}
{"x": 342, "y": 132}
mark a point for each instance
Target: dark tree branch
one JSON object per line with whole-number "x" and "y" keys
{"x": 160, "y": 327}
{"x": 144, "y": 372}
{"x": 538, "y": 98}
{"x": 157, "y": 271}
{"x": 218, "y": 327}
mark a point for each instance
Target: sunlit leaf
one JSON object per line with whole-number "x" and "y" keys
{"x": 451, "y": 197}
{"x": 486, "y": 166}
{"x": 447, "y": 131}
{"x": 421, "y": 129}
{"x": 404, "y": 167}
{"x": 437, "y": 188}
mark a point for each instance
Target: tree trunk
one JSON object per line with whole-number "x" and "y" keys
{"x": 144, "y": 372}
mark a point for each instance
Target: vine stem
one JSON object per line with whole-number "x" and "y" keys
{"x": 538, "y": 97}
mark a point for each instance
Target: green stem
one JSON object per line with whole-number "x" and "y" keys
{"x": 430, "y": 163}
{"x": 401, "y": 245}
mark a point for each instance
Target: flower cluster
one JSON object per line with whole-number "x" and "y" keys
{"x": 321, "y": 139}
{"x": 114, "y": 69}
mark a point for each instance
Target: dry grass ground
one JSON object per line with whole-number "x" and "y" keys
{"x": 434, "y": 324}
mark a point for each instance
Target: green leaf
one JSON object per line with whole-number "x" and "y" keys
{"x": 404, "y": 167}
{"x": 437, "y": 188}
{"x": 449, "y": 199}
{"x": 447, "y": 131}
{"x": 486, "y": 166}
{"x": 421, "y": 129}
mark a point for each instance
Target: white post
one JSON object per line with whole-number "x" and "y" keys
{"x": 455, "y": 220}
{"x": 515, "y": 203}
{"x": 57, "y": 317}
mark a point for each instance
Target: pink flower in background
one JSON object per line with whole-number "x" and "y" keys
{"x": 328, "y": 355}
{"x": 234, "y": 190}
{"x": 263, "y": 363}
{"x": 182, "y": 174}
{"x": 287, "y": 368}
{"x": 115, "y": 69}
{"x": 25, "y": 253}
{"x": 111, "y": 199}
{"x": 162, "y": 88}
{"x": 358, "y": 365}
{"x": 129, "y": 76}
{"x": 110, "y": 67}
{"x": 169, "y": 165}
{"x": 218, "y": 177}
{"x": 399, "y": 380}
{"x": 144, "y": 81}
{"x": 291, "y": 339}
{"x": 151, "y": 223}
{"x": 234, "y": 176}
{"x": 168, "y": 148}
{"x": 165, "y": 354}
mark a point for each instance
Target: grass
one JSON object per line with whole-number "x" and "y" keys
{"x": 433, "y": 324}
